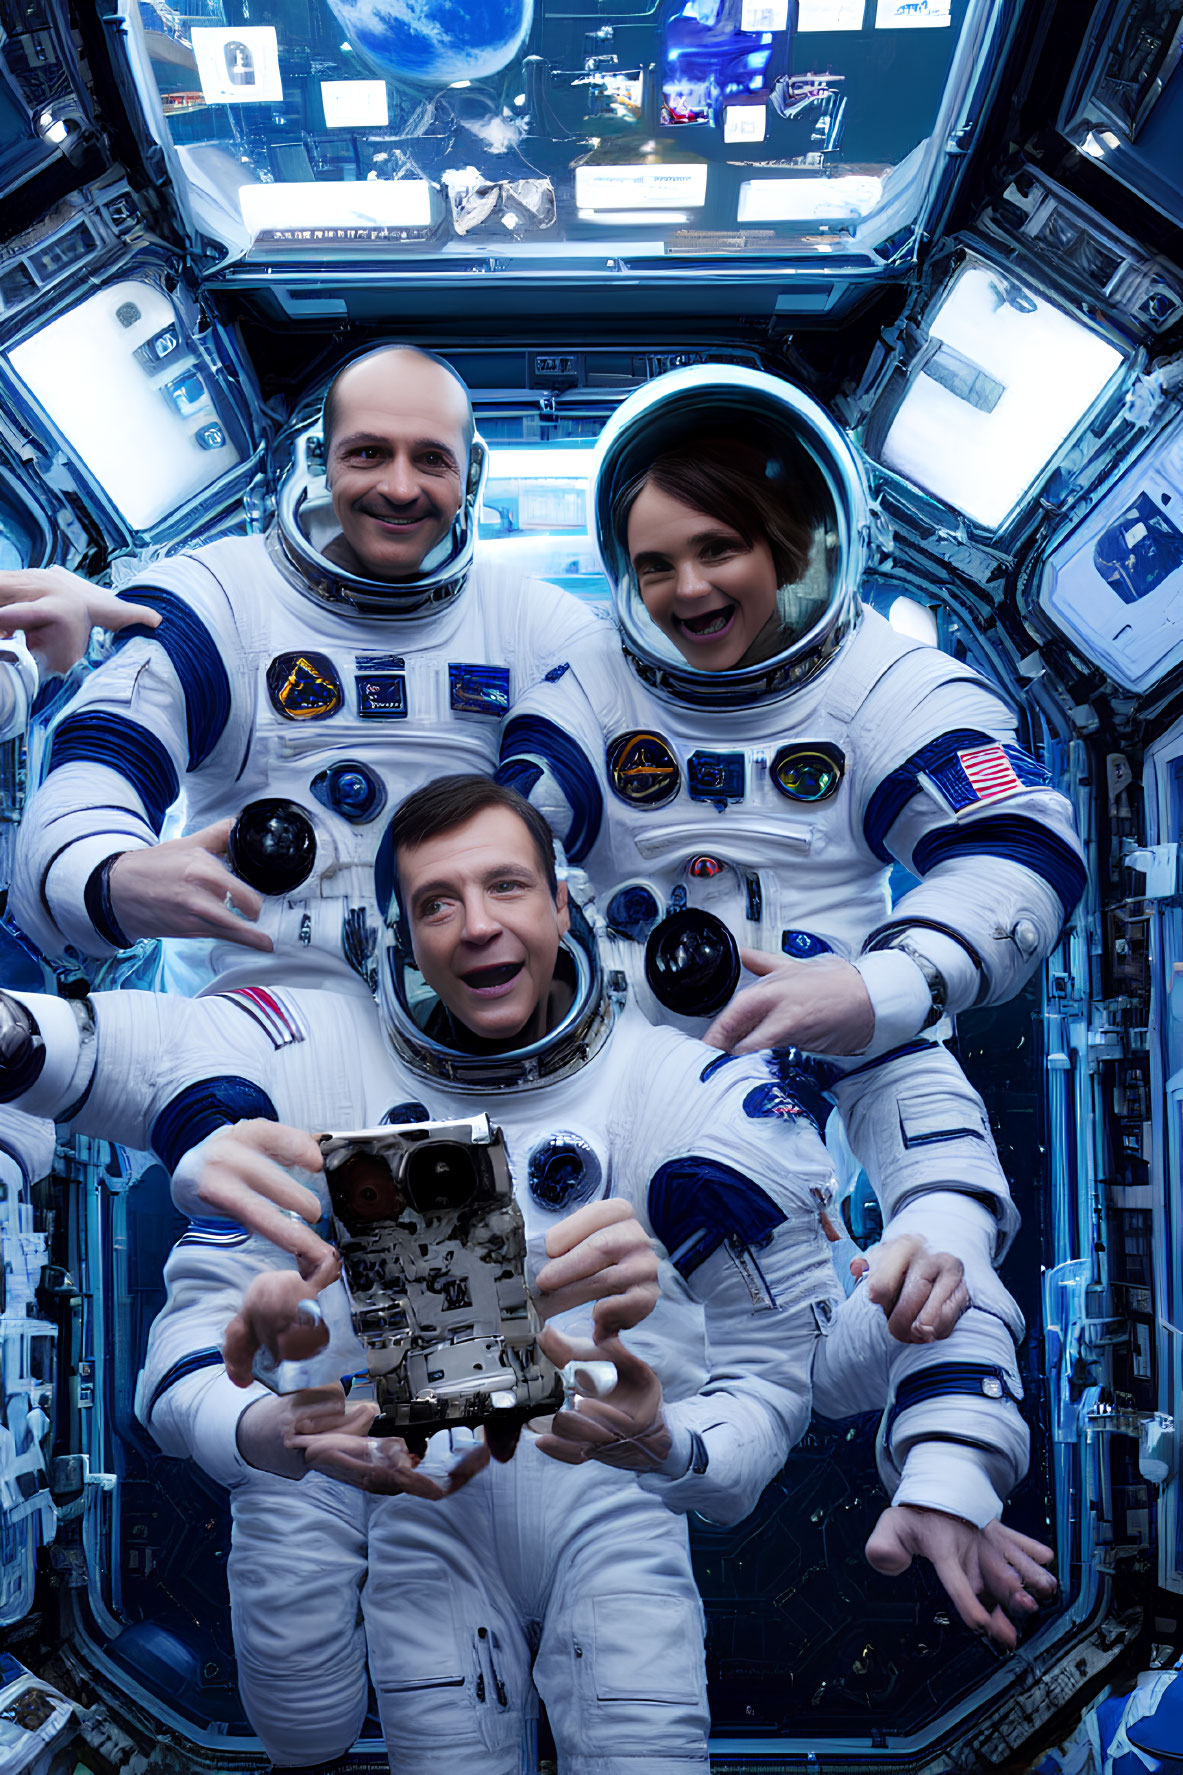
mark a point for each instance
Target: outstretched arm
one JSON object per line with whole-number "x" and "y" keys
{"x": 988, "y": 1574}
{"x": 57, "y": 609}
{"x": 169, "y": 699}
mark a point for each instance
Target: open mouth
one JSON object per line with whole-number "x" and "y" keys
{"x": 709, "y": 624}
{"x": 492, "y": 982}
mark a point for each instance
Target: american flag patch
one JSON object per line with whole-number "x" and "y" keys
{"x": 990, "y": 771}
{"x": 273, "y": 1012}
{"x": 967, "y": 778}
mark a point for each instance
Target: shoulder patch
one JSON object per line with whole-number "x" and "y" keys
{"x": 272, "y": 1011}
{"x": 697, "y": 1204}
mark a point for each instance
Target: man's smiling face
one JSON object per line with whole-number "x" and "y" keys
{"x": 397, "y": 461}
{"x": 484, "y": 927}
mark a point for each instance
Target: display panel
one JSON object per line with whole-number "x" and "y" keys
{"x": 1125, "y": 106}
{"x": 1002, "y": 382}
{"x": 734, "y": 128}
{"x": 1114, "y": 586}
{"x": 119, "y": 379}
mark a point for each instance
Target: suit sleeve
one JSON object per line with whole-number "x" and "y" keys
{"x": 160, "y": 706}
{"x": 552, "y": 749}
{"x": 993, "y": 845}
{"x": 916, "y": 1125}
{"x": 18, "y": 687}
{"x": 739, "y": 1209}
{"x": 184, "y": 1396}
{"x": 952, "y": 1435}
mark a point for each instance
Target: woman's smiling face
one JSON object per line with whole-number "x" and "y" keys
{"x": 706, "y": 588}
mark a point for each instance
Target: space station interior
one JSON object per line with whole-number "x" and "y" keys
{"x": 958, "y": 224}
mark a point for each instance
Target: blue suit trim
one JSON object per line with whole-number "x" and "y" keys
{"x": 1019, "y": 840}
{"x": 895, "y": 791}
{"x": 520, "y": 774}
{"x": 196, "y": 661}
{"x": 199, "y": 1109}
{"x": 696, "y": 1205}
{"x": 972, "y": 1380}
{"x": 191, "y": 1364}
{"x": 921, "y": 1045}
{"x": 123, "y": 746}
{"x": 529, "y": 739}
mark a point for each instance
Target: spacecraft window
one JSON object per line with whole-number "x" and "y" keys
{"x": 117, "y": 378}
{"x": 1002, "y": 383}
{"x": 535, "y": 490}
{"x": 534, "y": 514}
{"x": 528, "y": 129}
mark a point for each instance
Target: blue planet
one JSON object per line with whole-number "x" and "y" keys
{"x": 434, "y": 42}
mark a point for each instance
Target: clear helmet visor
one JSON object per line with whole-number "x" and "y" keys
{"x": 711, "y": 452}
{"x": 307, "y": 526}
{"x": 421, "y": 1034}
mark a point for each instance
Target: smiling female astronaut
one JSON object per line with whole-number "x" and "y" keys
{"x": 565, "y": 1570}
{"x": 740, "y": 765}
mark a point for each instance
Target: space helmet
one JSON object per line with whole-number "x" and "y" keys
{"x": 306, "y": 523}
{"x": 416, "y": 1026}
{"x": 753, "y": 425}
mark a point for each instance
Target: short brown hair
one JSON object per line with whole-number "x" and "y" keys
{"x": 448, "y": 802}
{"x": 739, "y": 483}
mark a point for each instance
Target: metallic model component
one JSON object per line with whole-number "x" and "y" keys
{"x": 434, "y": 1249}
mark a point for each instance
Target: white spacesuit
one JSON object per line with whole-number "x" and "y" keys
{"x": 777, "y": 795}
{"x": 275, "y": 674}
{"x": 18, "y": 687}
{"x": 764, "y": 806}
{"x": 585, "y": 1567}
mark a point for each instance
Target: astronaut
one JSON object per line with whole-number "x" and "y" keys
{"x": 499, "y": 1001}
{"x": 350, "y": 652}
{"x": 738, "y": 770}
{"x": 760, "y": 745}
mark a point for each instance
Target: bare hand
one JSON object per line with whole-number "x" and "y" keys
{"x": 382, "y": 1464}
{"x": 265, "y": 1428}
{"x": 181, "y": 888}
{"x": 923, "y": 1292}
{"x": 600, "y": 1253}
{"x": 236, "y": 1175}
{"x": 57, "y": 610}
{"x": 820, "y": 1006}
{"x": 279, "y": 1314}
{"x": 985, "y": 1572}
{"x": 316, "y": 1430}
{"x": 341, "y": 1448}
{"x": 627, "y": 1429}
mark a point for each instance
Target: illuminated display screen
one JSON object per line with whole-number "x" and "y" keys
{"x": 1004, "y": 380}
{"x": 118, "y": 378}
{"x": 702, "y": 127}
